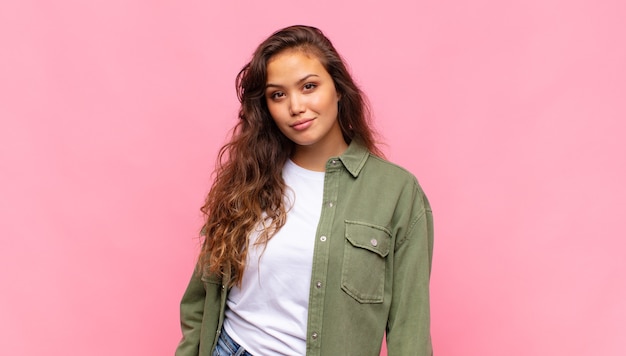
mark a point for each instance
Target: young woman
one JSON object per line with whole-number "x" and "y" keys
{"x": 313, "y": 244}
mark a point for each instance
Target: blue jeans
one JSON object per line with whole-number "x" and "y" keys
{"x": 226, "y": 346}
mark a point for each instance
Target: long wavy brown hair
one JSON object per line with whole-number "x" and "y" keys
{"x": 248, "y": 187}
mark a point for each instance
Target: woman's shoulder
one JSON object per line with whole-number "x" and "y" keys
{"x": 362, "y": 162}
{"x": 388, "y": 169}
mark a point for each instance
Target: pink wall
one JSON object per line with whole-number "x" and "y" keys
{"x": 511, "y": 113}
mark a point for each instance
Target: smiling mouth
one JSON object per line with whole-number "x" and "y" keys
{"x": 302, "y": 124}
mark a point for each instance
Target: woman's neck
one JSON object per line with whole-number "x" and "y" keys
{"x": 314, "y": 158}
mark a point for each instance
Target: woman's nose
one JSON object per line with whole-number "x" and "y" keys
{"x": 296, "y": 105}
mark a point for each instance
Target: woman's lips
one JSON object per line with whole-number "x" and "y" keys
{"x": 302, "y": 124}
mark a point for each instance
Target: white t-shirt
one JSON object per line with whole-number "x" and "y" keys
{"x": 268, "y": 314}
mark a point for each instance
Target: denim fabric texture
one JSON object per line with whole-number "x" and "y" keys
{"x": 226, "y": 346}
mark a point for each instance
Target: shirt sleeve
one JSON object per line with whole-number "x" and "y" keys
{"x": 191, "y": 313}
{"x": 408, "y": 326}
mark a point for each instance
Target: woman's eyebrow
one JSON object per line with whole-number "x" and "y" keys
{"x": 271, "y": 85}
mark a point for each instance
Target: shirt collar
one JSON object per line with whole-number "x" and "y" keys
{"x": 354, "y": 157}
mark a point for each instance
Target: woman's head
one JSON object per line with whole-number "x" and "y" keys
{"x": 353, "y": 113}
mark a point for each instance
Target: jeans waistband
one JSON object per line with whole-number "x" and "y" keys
{"x": 226, "y": 342}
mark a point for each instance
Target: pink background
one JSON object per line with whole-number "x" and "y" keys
{"x": 511, "y": 113}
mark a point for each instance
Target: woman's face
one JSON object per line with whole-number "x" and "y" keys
{"x": 302, "y": 100}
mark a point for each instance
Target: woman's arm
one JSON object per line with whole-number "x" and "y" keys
{"x": 408, "y": 326}
{"x": 191, "y": 313}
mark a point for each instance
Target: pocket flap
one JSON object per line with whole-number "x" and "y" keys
{"x": 368, "y": 236}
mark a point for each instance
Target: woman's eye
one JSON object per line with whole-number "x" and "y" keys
{"x": 277, "y": 95}
{"x": 309, "y": 86}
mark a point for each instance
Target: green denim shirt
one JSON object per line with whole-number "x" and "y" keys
{"x": 371, "y": 267}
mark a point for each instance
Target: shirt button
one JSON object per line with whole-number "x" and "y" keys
{"x": 314, "y": 336}
{"x": 330, "y": 204}
{"x": 334, "y": 162}
{"x": 374, "y": 242}
{"x": 318, "y": 284}
{"x": 323, "y": 238}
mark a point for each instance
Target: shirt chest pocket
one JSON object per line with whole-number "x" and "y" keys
{"x": 363, "y": 272}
